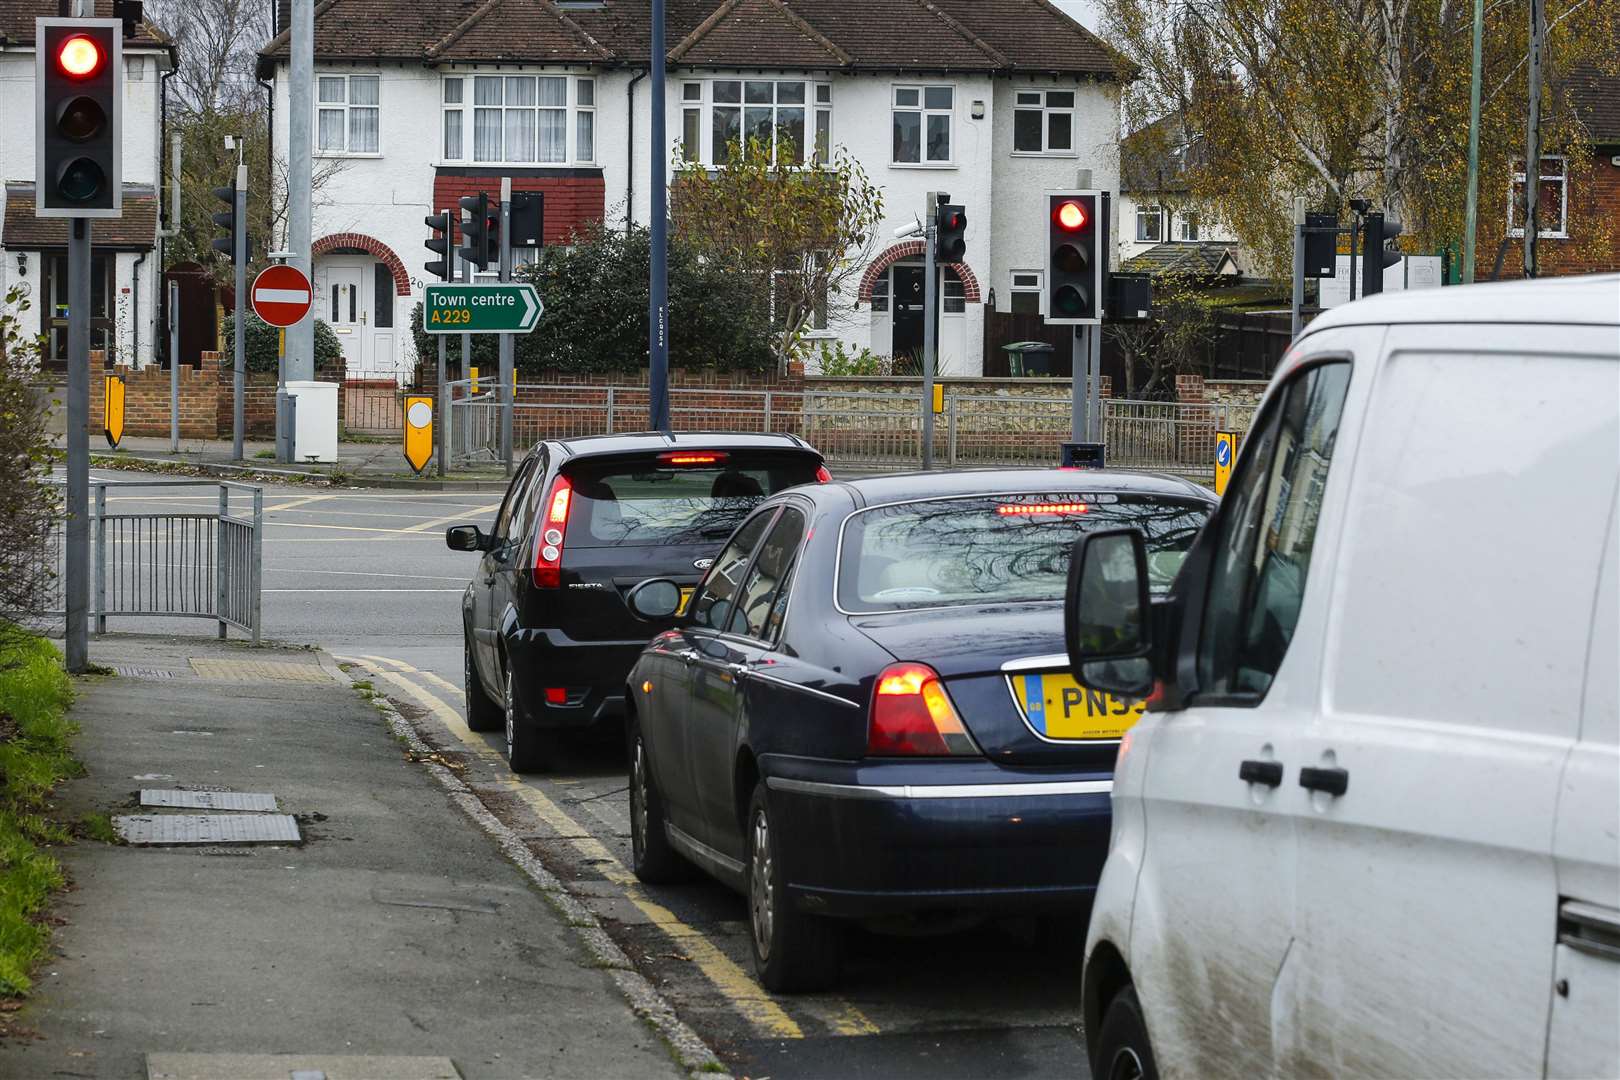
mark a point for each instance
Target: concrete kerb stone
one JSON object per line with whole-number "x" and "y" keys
{"x": 690, "y": 1051}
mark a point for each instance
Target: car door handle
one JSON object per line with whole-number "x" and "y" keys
{"x": 1269, "y": 773}
{"x": 687, "y": 655}
{"x": 1334, "y": 782}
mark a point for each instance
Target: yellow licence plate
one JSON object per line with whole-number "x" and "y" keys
{"x": 1058, "y": 707}
{"x": 686, "y": 597}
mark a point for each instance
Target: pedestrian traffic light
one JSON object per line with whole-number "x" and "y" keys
{"x": 226, "y": 244}
{"x": 439, "y": 244}
{"x": 1074, "y": 258}
{"x": 950, "y": 233}
{"x": 78, "y": 83}
{"x": 480, "y": 233}
{"x": 1378, "y": 251}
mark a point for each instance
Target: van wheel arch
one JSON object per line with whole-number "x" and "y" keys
{"x": 1106, "y": 974}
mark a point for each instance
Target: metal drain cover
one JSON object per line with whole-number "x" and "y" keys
{"x": 207, "y": 828}
{"x": 132, "y": 672}
{"x": 209, "y": 800}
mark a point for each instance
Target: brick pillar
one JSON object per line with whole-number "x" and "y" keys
{"x": 1190, "y": 389}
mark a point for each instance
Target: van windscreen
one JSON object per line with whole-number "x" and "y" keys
{"x": 682, "y": 498}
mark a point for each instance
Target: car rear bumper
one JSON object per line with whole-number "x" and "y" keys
{"x": 592, "y": 671}
{"x": 885, "y": 839}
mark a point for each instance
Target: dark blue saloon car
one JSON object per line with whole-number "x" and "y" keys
{"x": 865, "y": 709}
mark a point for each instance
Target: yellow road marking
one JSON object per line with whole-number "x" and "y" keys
{"x": 400, "y": 665}
{"x": 447, "y": 519}
{"x": 744, "y": 994}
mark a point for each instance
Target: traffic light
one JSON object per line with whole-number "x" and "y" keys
{"x": 226, "y": 244}
{"x": 78, "y": 83}
{"x": 950, "y": 233}
{"x": 480, "y": 233}
{"x": 439, "y": 244}
{"x": 527, "y": 222}
{"x": 1378, "y": 251}
{"x": 1074, "y": 258}
{"x": 1321, "y": 245}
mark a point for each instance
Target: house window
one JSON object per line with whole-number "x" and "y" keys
{"x": 1552, "y": 199}
{"x": 523, "y": 119}
{"x": 953, "y": 294}
{"x": 922, "y": 124}
{"x": 1026, "y": 292}
{"x": 880, "y": 292}
{"x": 1149, "y": 224}
{"x": 781, "y": 302}
{"x": 346, "y": 114}
{"x": 1043, "y": 122}
{"x": 791, "y": 118}
{"x": 1187, "y": 228}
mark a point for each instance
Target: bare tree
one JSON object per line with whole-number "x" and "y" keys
{"x": 218, "y": 42}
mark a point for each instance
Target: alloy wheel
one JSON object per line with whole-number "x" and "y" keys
{"x": 760, "y": 888}
{"x": 511, "y": 717}
{"x": 1126, "y": 1065}
{"x": 638, "y": 800}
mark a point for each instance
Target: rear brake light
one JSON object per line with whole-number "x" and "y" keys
{"x": 822, "y": 475}
{"x": 693, "y": 457}
{"x": 548, "y": 545}
{"x": 913, "y": 715}
{"x": 1020, "y": 509}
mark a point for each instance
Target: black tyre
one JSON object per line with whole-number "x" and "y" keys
{"x": 651, "y": 856}
{"x": 1123, "y": 1049}
{"x": 527, "y": 747}
{"x": 793, "y": 951}
{"x": 482, "y": 713}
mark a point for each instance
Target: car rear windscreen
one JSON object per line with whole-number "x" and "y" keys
{"x": 998, "y": 548}
{"x": 687, "y": 497}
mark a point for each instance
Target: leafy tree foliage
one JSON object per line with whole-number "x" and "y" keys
{"x": 28, "y": 505}
{"x": 261, "y": 343}
{"x": 1170, "y": 341}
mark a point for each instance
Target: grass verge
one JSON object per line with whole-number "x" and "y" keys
{"x": 34, "y": 758}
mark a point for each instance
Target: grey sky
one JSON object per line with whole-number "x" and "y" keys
{"x": 1085, "y": 11}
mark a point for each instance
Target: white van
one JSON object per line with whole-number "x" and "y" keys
{"x": 1370, "y": 825}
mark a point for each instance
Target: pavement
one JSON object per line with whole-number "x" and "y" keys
{"x": 397, "y": 939}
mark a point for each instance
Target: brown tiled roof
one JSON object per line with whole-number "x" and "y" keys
{"x": 1199, "y": 260}
{"x": 992, "y": 36}
{"x": 17, "y": 23}
{"x": 1595, "y": 94}
{"x": 136, "y": 230}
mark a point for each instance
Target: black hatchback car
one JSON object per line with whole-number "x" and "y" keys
{"x": 548, "y": 639}
{"x": 866, "y": 709}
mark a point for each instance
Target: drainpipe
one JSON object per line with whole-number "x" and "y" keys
{"x": 174, "y": 177}
{"x": 135, "y": 322}
{"x": 630, "y": 156}
{"x": 269, "y": 140}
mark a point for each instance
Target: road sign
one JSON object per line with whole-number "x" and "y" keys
{"x": 495, "y": 308}
{"x": 418, "y": 431}
{"x": 281, "y": 295}
{"x": 1225, "y": 451}
{"x": 112, "y": 410}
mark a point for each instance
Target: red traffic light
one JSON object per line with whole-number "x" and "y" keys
{"x": 1070, "y": 216}
{"x": 79, "y": 57}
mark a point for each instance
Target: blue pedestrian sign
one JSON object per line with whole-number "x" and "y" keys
{"x": 1225, "y": 450}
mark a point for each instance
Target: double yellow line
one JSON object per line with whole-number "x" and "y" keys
{"x": 734, "y": 984}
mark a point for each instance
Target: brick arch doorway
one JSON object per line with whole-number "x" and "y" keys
{"x": 362, "y": 291}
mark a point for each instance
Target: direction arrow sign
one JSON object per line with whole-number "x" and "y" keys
{"x": 496, "y": 308}
{"x": 281, "y": 295}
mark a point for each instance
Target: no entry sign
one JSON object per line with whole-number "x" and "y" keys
{"x": 281, "y": 295}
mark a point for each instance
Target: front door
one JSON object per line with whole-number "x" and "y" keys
{"x": 348, "y": 310}
{"x": 55, "y": 315}
{"x": 908, "y": 304}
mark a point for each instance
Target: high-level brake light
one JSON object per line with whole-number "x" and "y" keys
{"x": 1026, "y": 509}
{"x": 549, "y": 547}
{"x": 913, "y": 715}
{"x": 693, "y": 457}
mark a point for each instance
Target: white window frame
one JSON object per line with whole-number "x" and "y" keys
{"x": 1145, "y": 211}
{"x": 1047, "y": 111}
{"x": 1038, "y": 288}
{"x": 1562, "y": 176}
{"x": 923, "y": 113}
{"x": 1184, "y": 219}
{"x": 573, "y": 117}
{"x": 344, "y": 108}
{"x": 698, "y": 106}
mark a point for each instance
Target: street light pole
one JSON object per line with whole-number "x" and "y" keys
{"x": 1471, "y": 219}
{"x": 658, "y": 285}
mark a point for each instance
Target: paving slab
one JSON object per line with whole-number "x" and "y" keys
{"x": 397, "y": 930}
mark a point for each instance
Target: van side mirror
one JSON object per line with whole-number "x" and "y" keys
{"x": 1107, "y": 612}
{"x": 654, "y": 600}
{"x": 466, "y": 538}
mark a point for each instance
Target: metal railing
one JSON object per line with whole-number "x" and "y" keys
{"x": 167, "y": 562}
{"x": 877, "y": 429}
{"x": 373, "y": 408}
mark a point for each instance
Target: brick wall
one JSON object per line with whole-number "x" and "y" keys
{"x": 207, "y": 401}
{"x": 1594, "y": 210}
{"x": 571, "y": 201}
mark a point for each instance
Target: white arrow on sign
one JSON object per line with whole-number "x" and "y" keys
{"x": 531, "y": 309}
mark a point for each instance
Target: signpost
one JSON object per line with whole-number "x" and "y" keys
{"x": 418, "y": 446}
{"x": 1225, "y": 451}
{"x": 493, "y": 308}
{"x": 282, "y": 295}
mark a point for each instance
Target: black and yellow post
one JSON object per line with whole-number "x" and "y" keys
{"x": 112, "y": 412}
{"x": 418, "y": 431}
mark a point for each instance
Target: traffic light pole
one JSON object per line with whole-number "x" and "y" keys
{"x": 1079, "y": 400}
{"x": 658, "y": 207}
{"x": 76, "y": 564}
{"x": 239, "y": 377}
{"x": 505, "y": 395}
{"x": 1296, "y": 316}
{"x": 930, "y": 299}
{"x": 174, "y": 367}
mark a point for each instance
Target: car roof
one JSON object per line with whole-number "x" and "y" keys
{"x": 1589, "y": 299}
{"x": 631, "y": 442}
{"x": 904, "y": 487}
